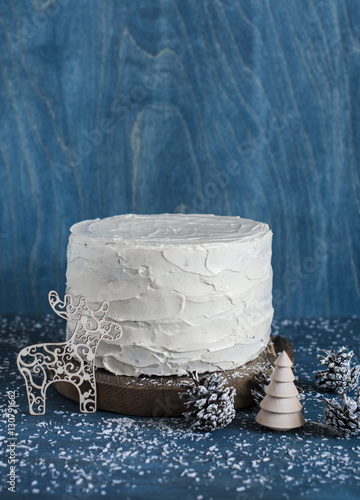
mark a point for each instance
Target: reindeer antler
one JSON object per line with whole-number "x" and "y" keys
{"x": 66, "y": 308}
{"x": 58, "y": 306}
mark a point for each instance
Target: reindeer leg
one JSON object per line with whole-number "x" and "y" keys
{"x": 87, "y": 396}
{"x": 35, "y": 394}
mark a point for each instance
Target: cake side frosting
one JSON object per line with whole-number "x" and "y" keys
{"x": 190, "y": 292}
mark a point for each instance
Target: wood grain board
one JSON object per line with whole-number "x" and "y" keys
{"x": 158, "y": 396}
{"x": 235, "y": 107}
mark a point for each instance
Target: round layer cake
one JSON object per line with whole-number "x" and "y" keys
{"x": 190, "y": 292}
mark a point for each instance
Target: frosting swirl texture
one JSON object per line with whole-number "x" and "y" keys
{"x": 191, "y": 292}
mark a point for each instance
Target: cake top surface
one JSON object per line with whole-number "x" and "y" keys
{"x": 171, "y": 228}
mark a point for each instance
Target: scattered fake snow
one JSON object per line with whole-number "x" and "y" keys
{"x": 106, "y": 453}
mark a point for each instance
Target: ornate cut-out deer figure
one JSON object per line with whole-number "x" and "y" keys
{"x": 71, "y": 361}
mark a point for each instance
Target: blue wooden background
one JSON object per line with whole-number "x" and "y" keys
{"x": 237, "y": 107}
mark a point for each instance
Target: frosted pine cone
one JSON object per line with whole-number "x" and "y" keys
{"x": 209, "y": 403}
{"x": 338, "y": 375}
{"x": 343, "y": 421}
{"x": 262, "y": 380}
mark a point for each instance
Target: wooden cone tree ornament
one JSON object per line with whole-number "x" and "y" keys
{"x": 281, "y": 409}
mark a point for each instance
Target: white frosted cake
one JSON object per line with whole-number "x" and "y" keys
{"x": 190, "y": 292}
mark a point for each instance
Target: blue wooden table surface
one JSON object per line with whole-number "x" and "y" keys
{"x": 68, "y": 455}
{"x": 235, "y": 107}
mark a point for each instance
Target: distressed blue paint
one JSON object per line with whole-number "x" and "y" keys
{"x": 266, "y": 90}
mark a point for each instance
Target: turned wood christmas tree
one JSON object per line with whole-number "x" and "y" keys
{"x": 281, "y": 408}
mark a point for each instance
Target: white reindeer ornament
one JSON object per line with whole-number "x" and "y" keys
{"x": 71, "y": 361}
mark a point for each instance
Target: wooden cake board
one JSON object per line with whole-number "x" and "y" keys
{"x": 158, "y": 396}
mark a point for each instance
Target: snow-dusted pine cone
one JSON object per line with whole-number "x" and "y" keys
{"x": 343, "y": 421}
{"x": 262, "y": 380}
{"x": 209, "y": 403}
{"x": 338, "y": 375}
